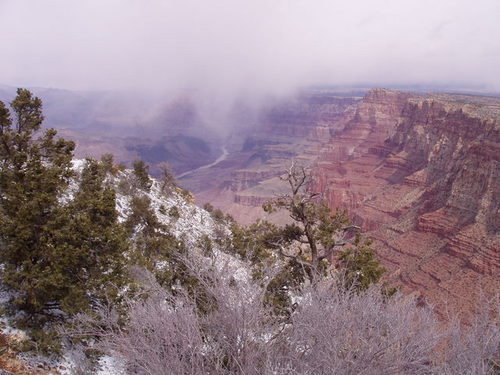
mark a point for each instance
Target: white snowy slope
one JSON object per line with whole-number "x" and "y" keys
{"x": 191, "y": 226}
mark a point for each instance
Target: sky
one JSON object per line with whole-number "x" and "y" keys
{"x": 230, "y": 47}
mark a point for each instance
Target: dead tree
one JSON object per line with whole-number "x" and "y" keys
{"x": 316, "y": 232}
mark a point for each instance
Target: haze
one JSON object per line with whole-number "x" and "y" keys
{"x": 228, "y": 47}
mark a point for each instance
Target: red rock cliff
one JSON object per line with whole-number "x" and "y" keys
{"x": 422, "y": 173}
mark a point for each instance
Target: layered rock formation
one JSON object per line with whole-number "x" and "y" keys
{"x": 295, "y": 128}
{"x": 312, "y": 116}
{"x": 422, "y": 173}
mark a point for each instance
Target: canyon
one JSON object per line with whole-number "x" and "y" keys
{"x": 130, "y": 125}
{"x": 420, "y": 173}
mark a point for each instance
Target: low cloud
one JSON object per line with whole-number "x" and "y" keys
{"x": 223, "y": 47}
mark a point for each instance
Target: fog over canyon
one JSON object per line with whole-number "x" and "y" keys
{"x": 418, "y": 171}
{"x": 392, "y": 107}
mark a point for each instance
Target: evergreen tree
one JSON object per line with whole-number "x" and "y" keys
{"x": 141, "y": 173}
{"x": 55, "y": 255}
{"x": 92, "y": 243}
{"x": 107, "y": 162}
{"x": 360, "y": 265}
{"x": 33, "y": 174}
{"x": 167, "y": 178}
{"x": 153, "y": 243}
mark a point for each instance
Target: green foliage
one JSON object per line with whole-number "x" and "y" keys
{"x": 5, "y": 120}
{"x": 278, "y": 290}
{"x": 142, "y": 214}
{"x": 55, "y": 255}
{"x": 254, "y": 243}
{"x": 141, "y": 173}
{"x": 206, "y": 245}
{"x": 157, "y": 253}
{"x": 257, "y": 244}
{"x": 108, "y": 165}
{"x": 28, "y": 112}
{"x": 121, "y": 167}
{"x": 125, "y": 187}
{"x": 360, "y": 266}
{"x": 251, "y": 243}
{"x": 167, "y": 178}
{"x": 165, "y": 256}
{"x": 33, "y": 174}
{"x": 93, "y": 241}
{"x": 306, "y": 245}
{"x": 218, "y": 215}
{"x": 160, "y": 252}
{"x": 156, "y": 249}
{"x": 316, "y": 233}
{"x": 42, "y": 340}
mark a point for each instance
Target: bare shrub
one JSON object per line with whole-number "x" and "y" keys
{"x": 163, "y": 337}
{"x": 168, "y": 334}
{"x": 474, "y": 348}
{"x": 334, "y": 331}
{"x": 161, "y": 334}
{"x": 237, "y": 329}
{"x": 331, "y": 331}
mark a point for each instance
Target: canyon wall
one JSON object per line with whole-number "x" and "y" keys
{"x": 419, "y": 172}
{"x": 312, "y": 116}
{"x": 422, "y": 174}
{"x": 295, "y": 128}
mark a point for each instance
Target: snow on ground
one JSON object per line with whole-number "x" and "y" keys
{"x": 193, "y": 222}
{"x": 106, "y": 365}
{"x": 110, "y": 366}
{"x": 191, "y": 226}
{"x": 5, "y": 326}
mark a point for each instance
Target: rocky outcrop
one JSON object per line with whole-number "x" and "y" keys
{"x": 422, "y": 173}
